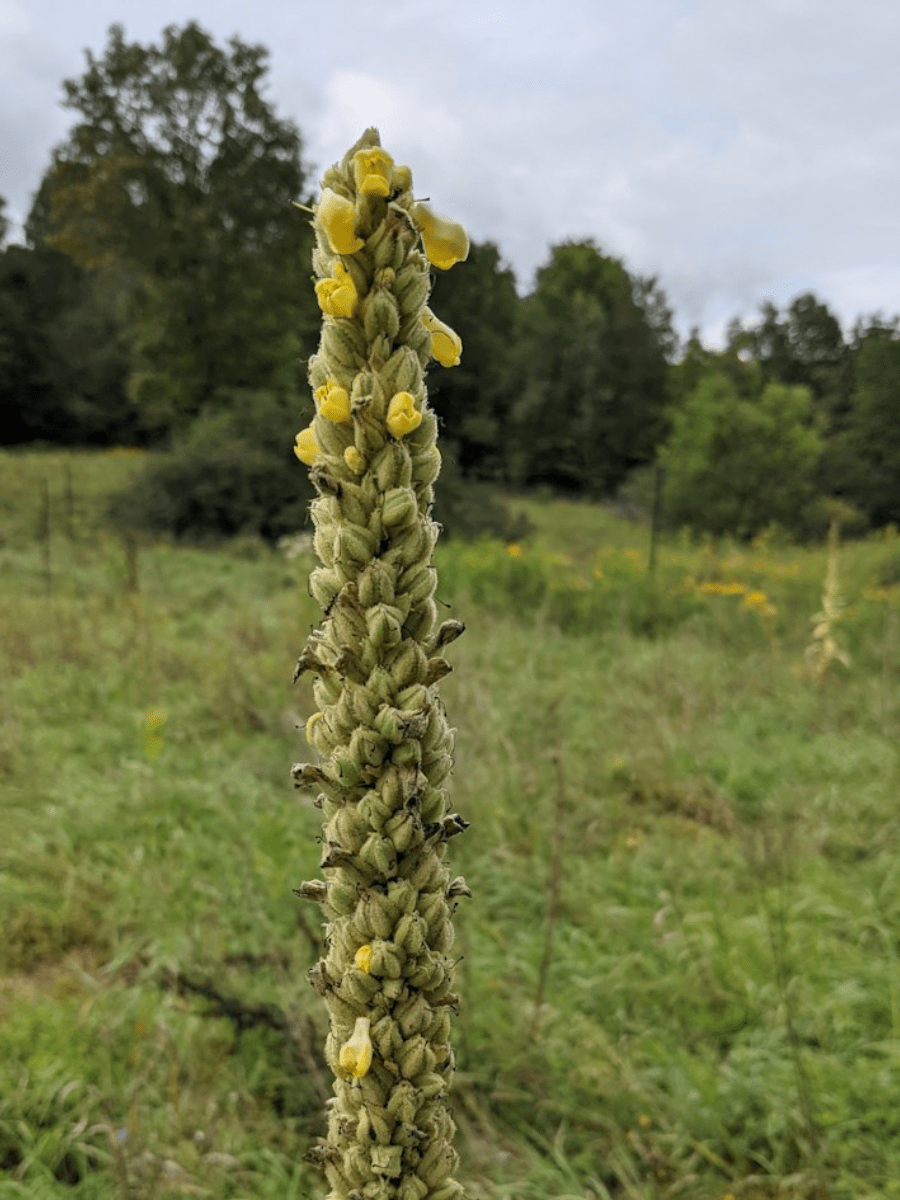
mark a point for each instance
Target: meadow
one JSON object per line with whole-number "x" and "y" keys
{"x": 680, "y": 969}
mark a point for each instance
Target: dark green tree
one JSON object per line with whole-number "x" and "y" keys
{"x": 869, "y": 449}
{"x": 590, "y": 374}
{"x": 804, "y": 345}
{"x": 473, "y": 399}
{"x": 179, "y": 175}
{"x": 4, "y": 220}
{"x": 63, "y": 366}
{"x": 735, "y": 465}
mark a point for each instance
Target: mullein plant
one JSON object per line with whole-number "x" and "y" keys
{"x": 383, "y": 742}
{"x": 823, "y": 650}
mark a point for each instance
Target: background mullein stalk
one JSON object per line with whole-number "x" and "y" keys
{"x": 381, "y": 733}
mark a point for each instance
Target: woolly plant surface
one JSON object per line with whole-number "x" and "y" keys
{"x": 383, "y": 742}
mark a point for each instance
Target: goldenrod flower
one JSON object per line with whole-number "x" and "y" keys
{"x": 446, "y": 344}
{"x": 337, "y": 297}
{"x": 356, "y": 1055}
{"x": 760, "y": 603}
{"x": 306, "y": 447}
{"x": 333, "y": 401}
{"x": 337, "y": 216}
{"x": 445, "y": 242}
{"x": 363, "y": 958}
{"x": 373, "y": 170}
{"x": 402, "y": 415}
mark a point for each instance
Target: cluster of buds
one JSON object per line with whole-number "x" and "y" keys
{"x": 383, "y": 742}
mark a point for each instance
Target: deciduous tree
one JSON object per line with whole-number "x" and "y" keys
{"x": 591, "y": 376}
{"x": 179, "y": 173}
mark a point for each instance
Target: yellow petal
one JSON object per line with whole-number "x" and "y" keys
{"x": 446, "y": 345}
{"x": 363, "y": 958}
{"x": 354, "y": 460}
{"x": 445, "y": 242}
{"x": 356, "y": 1054}
{"x": 333, "y": 401}
{"x": 306, "y": 447}
{"x": 373, "y": 171}
{"x": 337, "y": 297}
{"x": 402, "y": 415}
{"x": 337, "y": 216}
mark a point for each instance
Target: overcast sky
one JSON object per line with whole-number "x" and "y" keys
{"x": 739, "y": 150}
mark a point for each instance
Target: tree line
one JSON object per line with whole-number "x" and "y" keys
{"x": 162, "y": 298}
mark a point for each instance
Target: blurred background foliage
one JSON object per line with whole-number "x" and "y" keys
{"x": 162, "y": 300}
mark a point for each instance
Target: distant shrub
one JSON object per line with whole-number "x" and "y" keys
{"x": 234, "y": 474}
{"x": 735, "y": 465}
{"x": 469, "y": 508}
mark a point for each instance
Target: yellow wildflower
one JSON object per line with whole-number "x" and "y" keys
{"x": 445, "y": 242}
{"x": 373, "y": 171}
{"x": 760, "y": 603}
{"x": 356, "y": 1055}
{"x": 337, "y": 297}
{"x": 514, "y": 550}
{"x": 363, "y": 958}
{"x": 337, "y": 216}
{"x": 306, "y": 447}
{"x": 333, "y": 401}
{"x": 354, "y": 460}
{"x": 402, "y": 415}
{"x": 446, "y": 345}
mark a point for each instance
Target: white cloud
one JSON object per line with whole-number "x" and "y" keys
{"x": 738, "y": 151}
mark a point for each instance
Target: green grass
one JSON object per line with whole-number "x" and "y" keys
{"x": 680, "y": 972}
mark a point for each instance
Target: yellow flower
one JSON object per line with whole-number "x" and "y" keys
{"x": 337, "y": 297}
{"x": 356, "y": 1055}
{"x": 354, "y": 460}
{"x": 333, "y": 401}
{"x": 402, "y": 415}
{"x": 514, "y": 550}
{"x": 337, "y": 215}
{"x": 445, "y": 242}
{"x": 373, "y": 171}
{"x": 446, "y": 345}
{"x": 760, "y": 603}
{"x": 402, "y": 179}
{"x": 363, "y": 958}
{"x": 306, "y": 447}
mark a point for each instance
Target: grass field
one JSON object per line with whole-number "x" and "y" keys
{"x": 680, "y": 972}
